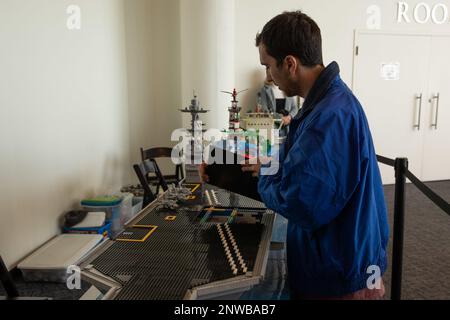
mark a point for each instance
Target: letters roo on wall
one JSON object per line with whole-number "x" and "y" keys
{"x": 422, "y": 13}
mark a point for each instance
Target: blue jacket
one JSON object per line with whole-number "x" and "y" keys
{"x": 329, "y": 188}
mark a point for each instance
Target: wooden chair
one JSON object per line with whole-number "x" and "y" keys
{"x": 142, "y": 171}
{"x": 159, "y": 153}
{"x": 7, "y": 282}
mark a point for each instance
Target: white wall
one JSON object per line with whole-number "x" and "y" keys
{"x": 337, "y": 20}
{"x": 64, "y": 128}
{"x": 207, "y": 57}
{"x": 154, "y": 73}
{"x": 218, "y": 49}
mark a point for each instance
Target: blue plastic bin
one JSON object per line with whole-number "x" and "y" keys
{"x": 111, "y": 205}
{"x": 104, "y": 230}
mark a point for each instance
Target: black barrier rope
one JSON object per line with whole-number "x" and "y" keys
{"x": 401, "y": 173}
{"x": 437, "y": 200}
{"x": 386, "y": 161}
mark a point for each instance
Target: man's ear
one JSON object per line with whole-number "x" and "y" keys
{"x": 292, "y": 64}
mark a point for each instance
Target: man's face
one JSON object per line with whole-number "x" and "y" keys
{"x": 278, "y": 74}
{"x": 269, "y": 79}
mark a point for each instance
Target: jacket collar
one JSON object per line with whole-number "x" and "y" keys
{"x": 316, "y": 94}
{"x": 319, "y": 89}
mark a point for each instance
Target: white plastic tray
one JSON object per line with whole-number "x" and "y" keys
{"x": 50, "y": 262}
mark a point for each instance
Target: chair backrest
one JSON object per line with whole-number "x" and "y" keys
{"x": 142, "y": 170}
{"x": 7, "y": 281}
{"x": 155, "y": 153}
{"x": 162, "y": 152}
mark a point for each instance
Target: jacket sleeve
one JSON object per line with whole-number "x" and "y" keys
{"x": 318, "y": 175}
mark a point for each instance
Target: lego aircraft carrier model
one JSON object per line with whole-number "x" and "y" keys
{"x": 193, "y": 242}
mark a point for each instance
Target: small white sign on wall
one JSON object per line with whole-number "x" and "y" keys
{"x": 390, "y": 71}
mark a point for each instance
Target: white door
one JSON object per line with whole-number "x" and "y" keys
{"x": 391, "y": 80}
{"x": 436, "y": 156}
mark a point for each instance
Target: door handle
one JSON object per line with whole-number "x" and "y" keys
{"x": 420, "y": 99}
{"x": 436, "y": 117}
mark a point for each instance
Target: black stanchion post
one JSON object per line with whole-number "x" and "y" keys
{"x": 401, "y": 166}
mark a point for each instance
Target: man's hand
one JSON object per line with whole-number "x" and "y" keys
{"x": 253, "y": 168}
{"x": 287, "y": 120}
{"x": 202, "y": 171}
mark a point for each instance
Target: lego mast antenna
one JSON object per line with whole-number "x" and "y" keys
{"x": 235, "y": 111}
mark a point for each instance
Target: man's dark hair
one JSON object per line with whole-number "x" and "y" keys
{"x": 292, "y": 33}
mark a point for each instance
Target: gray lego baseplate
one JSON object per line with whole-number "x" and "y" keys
{"x": 210, "y": 244}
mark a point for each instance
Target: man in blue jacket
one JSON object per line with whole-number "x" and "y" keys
{"x": 328, "y": 184}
